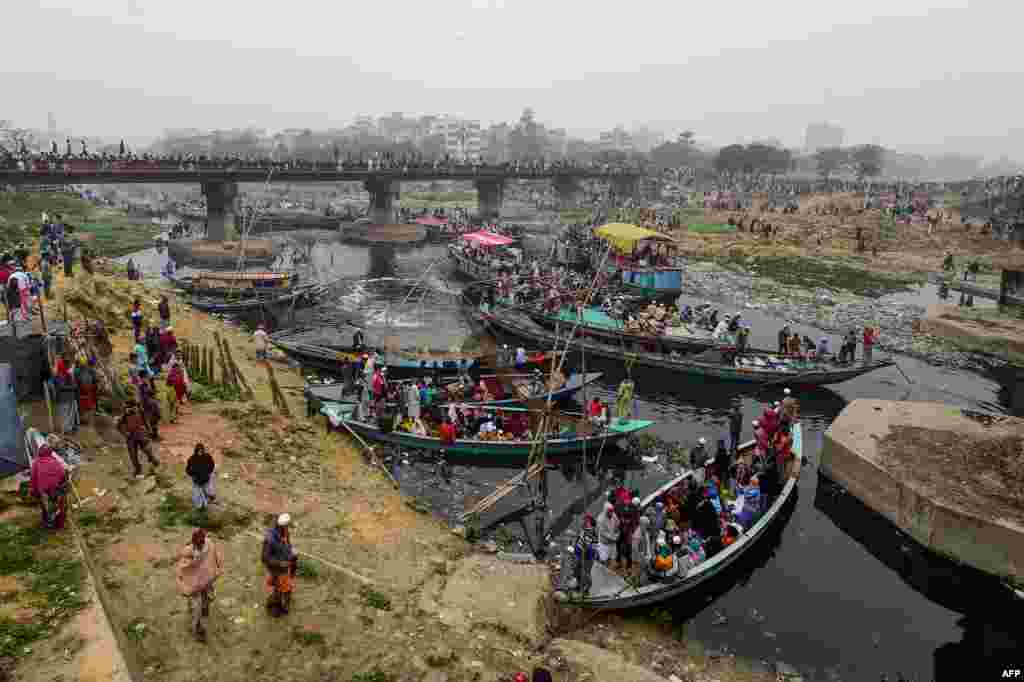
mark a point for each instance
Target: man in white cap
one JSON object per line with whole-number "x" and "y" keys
{"x": 281, "y": 562}
{"x": 699, "y": 454}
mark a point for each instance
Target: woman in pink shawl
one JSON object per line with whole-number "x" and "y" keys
{"x": 200, "y": 564}
{"x": 49, "y": 483}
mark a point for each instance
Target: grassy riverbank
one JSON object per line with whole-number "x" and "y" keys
{"x": 114, "y": 232}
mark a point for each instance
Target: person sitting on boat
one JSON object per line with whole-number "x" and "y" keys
{"x": 809, "y": 347}
{"x": 769, "y": 421}
{"x": 665, "y": 565}
{"x": 783, "y": 444}
{"x": 686, "y": 314}
{"x": 734, "y": 323}
{"x": 723, "y": 460}
{"x": 793, "y": 345}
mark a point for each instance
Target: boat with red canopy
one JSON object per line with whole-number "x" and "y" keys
{"x": 484, "y": 254}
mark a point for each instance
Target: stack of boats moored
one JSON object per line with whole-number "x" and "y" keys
{"x": 241, "y": 292}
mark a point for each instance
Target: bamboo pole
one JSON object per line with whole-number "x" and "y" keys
{"x": 275, "y": 390}
{"x": 227, "y": 377}
{"x": 240, "y": 377}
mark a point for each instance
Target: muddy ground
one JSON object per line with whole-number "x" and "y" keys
{"x": 385, "y": 592}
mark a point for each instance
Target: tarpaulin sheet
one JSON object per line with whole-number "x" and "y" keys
{"x": 12, "y": 441}
{"x": 488, "y": 238}
{"x": 624, "y": 236}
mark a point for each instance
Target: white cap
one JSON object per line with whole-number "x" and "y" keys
{"x": 786, "y": 391}
{"x": 677, "y": 540}
{"x": 775, "y": 404}
{"x": 756, "y": 423}
{"x": 636, "y": 501}
{"x": 702, "y": 440}
{"x": 284, "y": 519}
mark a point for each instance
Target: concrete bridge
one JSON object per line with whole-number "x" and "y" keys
{"x": 220, "y": 184}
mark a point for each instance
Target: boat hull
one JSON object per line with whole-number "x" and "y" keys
{"x": 527, "y": 330}
{"x": 504, "y": 451}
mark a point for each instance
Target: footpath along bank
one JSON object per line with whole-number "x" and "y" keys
{"x": 383, "y": 592}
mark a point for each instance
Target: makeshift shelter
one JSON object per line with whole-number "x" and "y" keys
{"x": 624, "y": 237}
{"x": 13, "y": 457}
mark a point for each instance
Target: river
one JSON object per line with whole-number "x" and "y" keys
{"x": 838, "y": 594}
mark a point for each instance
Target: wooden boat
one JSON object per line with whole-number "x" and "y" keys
{"x": 756, "y": 367}
{"x": 501, "y": 257}
{"x": 599, "y": 326}
{"x": 299, "y": 297}
{"x": 609, "y": 591}
{"x": 505, "y": 451}
{"x": 523, "y": 390}
{"x": 251, "y": 284}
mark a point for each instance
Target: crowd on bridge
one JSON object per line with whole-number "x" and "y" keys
{"x": 83, "y": 161}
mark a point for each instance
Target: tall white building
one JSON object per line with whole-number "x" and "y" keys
{"x": 462, "y": 137}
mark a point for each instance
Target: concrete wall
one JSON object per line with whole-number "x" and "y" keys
{"x": 851, "y": 458}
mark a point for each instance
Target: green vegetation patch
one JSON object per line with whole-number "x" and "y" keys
{"x": 371, "y": 676}
{"x": 708, "y": 228}
{"x": 208, "y": 393}
{"x": 838, "y": 274}
{"x": 115, "y": 234}
{"x": 576, "y": 215}
{"x": 54, "y": 587}
{"x": 375, "y": 599}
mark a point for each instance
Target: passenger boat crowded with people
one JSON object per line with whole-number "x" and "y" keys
{"x": 513, "y": 443}
{"x": 483, "y": 255}
{"x": 487, "y": 390}
{"x": 679, "y": 563}
{"x": 758, "y": 367}
{"x": 645, "y": 258}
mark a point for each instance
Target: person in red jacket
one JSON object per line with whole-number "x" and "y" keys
{"x": 447, "y": 432}
{"x": 870, "y": 337}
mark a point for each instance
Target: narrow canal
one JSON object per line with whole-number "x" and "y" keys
{"x": 837, "y": 593}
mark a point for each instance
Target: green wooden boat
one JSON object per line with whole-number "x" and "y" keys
{"x": 341, "y": 415}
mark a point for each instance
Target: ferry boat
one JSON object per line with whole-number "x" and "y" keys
{"x": 482, "y": 255}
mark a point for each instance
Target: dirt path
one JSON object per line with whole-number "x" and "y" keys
{"x": 390, "y": 589}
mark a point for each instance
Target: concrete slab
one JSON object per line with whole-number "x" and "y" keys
{"x": 484, "y": 589}
{"x": 953, "y": 482}
{"x": 601, "y": 663}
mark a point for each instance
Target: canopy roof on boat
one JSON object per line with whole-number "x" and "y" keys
{"x": 488, "y": 238}
{"x": 624, "y": 236}
{"x": 431, "y": 221}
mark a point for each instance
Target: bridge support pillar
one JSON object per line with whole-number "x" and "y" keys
{"x": 383, "y": 194}
{"x": 568, "y": 191}
{"x": 221, "y": 200}
{"x": 489, "y": 195}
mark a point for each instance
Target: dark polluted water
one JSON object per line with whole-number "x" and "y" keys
{"x": 835, "y": 592}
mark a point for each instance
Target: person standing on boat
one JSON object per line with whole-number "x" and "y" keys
{"x": 608, "y": 532}
{"x": 783, "y": 339}
{"x": 641, "y": 543}
{"x": 629, "y": 518}
{"x": 357, "y": 340}
{"x": 520, "y": 359}
{"x": 586, "y": 551}
{"x": 870, "y": 338}
{"x": 735, "y": 428}
{"x": 723, "y": 461}
{"x": 412, "y": 393}
{"x": 699, "y": 454}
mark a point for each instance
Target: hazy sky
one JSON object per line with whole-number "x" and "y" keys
{"x": 945, "y": 74}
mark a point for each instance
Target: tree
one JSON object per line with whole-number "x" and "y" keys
{"x": 731, "y": 159}
{"x": 830, "y": 160}
{"x": 765, "y": 158}
{"x": 867, "y": 160}
{"x": 14, "y": 139}
{"x": 675, "y": 154}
